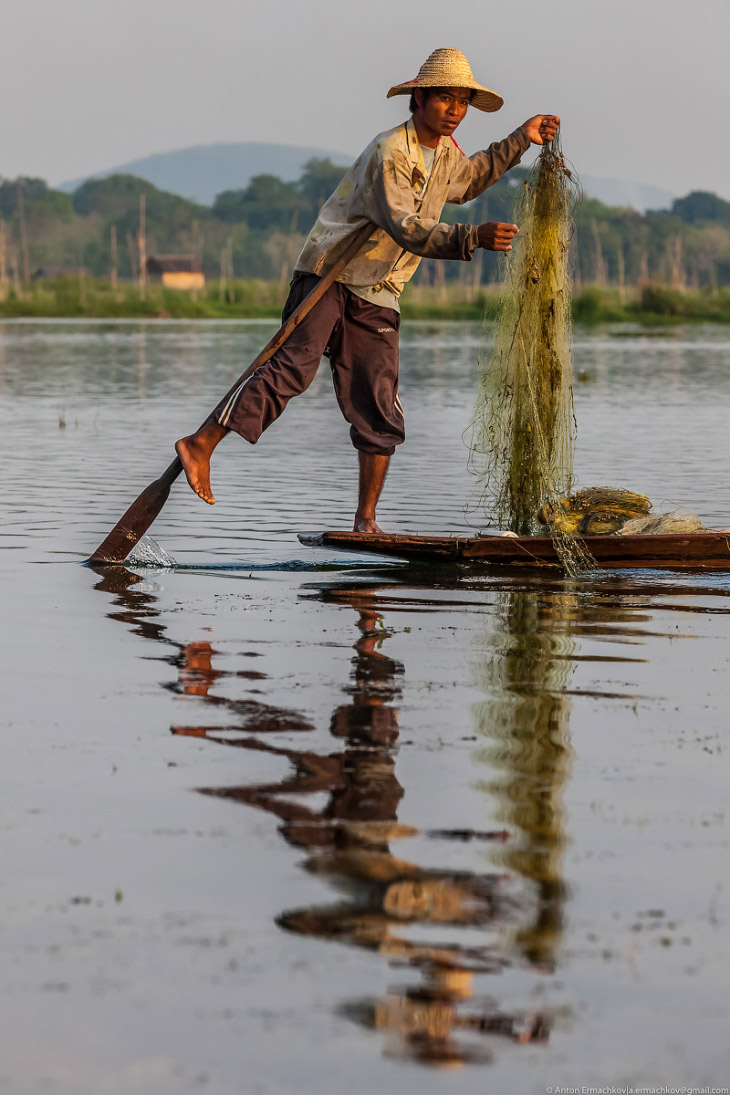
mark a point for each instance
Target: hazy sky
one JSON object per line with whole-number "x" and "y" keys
{"x": 641, "y": 85}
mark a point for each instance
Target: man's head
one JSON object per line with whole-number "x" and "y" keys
{"x": 441, "y": 109}
{"x": 448, "y": 70}
{"x": 419, "y": 98}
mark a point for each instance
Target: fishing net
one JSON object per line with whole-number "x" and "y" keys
{"x": 523, "y": 429}
{"x": 598, "y": 511}
{"x": 678, "y": 521}
{"x": 594, "y": 511}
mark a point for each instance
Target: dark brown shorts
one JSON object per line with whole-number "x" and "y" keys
{"x": 361, "y": 341}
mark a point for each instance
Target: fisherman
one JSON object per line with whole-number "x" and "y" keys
{"x": 400, "y": 184}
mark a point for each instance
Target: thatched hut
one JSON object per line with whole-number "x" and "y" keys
{"x": 176, "y": 271}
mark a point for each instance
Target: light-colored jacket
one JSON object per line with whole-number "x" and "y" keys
{"x": 385, "y": 185}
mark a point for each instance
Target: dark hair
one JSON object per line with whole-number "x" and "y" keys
{"x": 413, "y": 105}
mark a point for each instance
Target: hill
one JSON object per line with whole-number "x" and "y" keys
{"x": 618, "y": 192}
{"x": 202, "y": 172}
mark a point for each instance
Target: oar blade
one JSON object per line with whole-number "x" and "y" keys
{"x": 132, "y": 526}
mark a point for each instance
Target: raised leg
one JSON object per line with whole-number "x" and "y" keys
{"x": 195, "y": 452}
{"x": 262, "y": 397}
{"x": 373, "y": 469}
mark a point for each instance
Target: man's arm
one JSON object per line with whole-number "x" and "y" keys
{"x": 493, "y": 235}
{"x": 395, "y": 211}
{"x": 394, "y": 207}
{"x": 394, "y": 204}
{"x": 483, "y": 169}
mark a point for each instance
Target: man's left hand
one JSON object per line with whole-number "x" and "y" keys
{"x": 541, "y": 128}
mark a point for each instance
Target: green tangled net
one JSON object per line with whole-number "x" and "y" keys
{"x": 523, "y": 429}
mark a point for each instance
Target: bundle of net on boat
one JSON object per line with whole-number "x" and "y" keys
{"x": 523, "y": 431}
{"x": 598, "y": 511}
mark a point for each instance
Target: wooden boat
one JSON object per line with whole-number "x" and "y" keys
{"x": 688, "y": 551}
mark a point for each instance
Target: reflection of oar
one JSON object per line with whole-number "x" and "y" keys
{"x": 142, "y": 513}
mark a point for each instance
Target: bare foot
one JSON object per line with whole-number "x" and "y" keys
{"x": 195, "y": 460}
{"x": 367, "y": 524}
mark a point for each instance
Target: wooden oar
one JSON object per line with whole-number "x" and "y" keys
{"x": 140, "y": 515}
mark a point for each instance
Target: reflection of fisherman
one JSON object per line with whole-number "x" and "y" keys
{"x": 363, "y": 790}
{"x": 349, "y": 839}
{"x": 197, "y": 675}
{"x": 360, "y": 816}
{"x": 423, "y": 1019}
{"x": 400, "y": 184}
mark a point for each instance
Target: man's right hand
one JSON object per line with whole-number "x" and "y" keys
{"x": 495, "y": 236}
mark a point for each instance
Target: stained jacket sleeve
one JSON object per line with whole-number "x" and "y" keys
{"x": 395, "y": 204}
{"x": 395, "y": 207}
{"x": 483, "y": 169}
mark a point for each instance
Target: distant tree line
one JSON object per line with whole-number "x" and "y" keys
{"x": 258, "y": 230}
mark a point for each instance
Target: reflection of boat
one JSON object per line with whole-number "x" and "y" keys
{"x": 689, "y": 551}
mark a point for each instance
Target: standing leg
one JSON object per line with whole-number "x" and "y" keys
{"x": 373, "y": 469}
{"x": 365, "y": 374}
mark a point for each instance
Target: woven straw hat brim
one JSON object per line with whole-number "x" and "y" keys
{"x": 450, "y": 68}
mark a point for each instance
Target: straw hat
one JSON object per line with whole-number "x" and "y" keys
{"x": 450, "y": 68}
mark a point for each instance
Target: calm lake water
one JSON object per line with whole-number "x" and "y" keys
{"x": 283, "y": 820}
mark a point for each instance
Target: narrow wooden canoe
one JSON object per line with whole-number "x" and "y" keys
{"x": 689, "y": 551}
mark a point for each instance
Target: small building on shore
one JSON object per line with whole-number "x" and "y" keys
{"x": 176, "y": 271}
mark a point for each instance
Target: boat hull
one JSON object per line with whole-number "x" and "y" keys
{"x": 689, "y": 551}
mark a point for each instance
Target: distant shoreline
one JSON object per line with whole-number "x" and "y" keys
{"x": 79, "y": 298}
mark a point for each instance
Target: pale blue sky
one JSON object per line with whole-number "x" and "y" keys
{"x": 642, "y": 85}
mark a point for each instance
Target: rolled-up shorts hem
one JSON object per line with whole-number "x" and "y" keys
{"x": 372, "y": 451}
{"x": 239, "y": 428}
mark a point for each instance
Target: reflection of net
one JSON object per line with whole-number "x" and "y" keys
{"x": 523, "y": 428}
{"x": 526, "y": 724}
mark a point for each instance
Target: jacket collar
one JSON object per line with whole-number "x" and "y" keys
{"x": 414, "y": 153}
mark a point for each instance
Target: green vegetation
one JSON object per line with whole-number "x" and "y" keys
{"x": 666, "y": 266}
{"x": 654, "y": 304}
{"x": 261, "y": 226}
{"x": 257, "y": 298}
{"x": 95, "y": 298}
{"x": 42, "y": 205}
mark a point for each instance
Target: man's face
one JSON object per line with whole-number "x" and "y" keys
{"x": 443, "y": 110}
